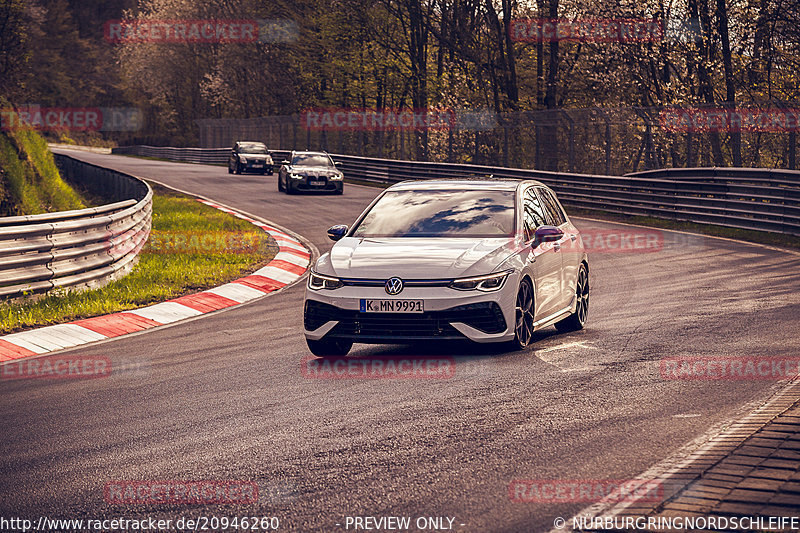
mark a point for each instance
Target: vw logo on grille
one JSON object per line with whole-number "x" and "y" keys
{"x": 394, "y": 286}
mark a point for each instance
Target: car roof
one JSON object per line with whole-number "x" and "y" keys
{"x": 496, "y": 184}
{"x": 250, "y": 142}
{"x": 306, "y": 152}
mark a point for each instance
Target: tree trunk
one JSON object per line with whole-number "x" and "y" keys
{"x": 730, "y": 83}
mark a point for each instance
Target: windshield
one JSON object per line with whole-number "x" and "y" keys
{"x": 311, "y": 160}
{"x": 252, "y": 149}
{"x": 440, "y": 213}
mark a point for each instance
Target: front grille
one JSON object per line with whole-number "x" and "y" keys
{"x": 485, "y": 316}
{"x": 317, "y": 313}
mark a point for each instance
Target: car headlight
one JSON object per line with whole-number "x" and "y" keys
{"x": 336, "y": 177}
{"x": 318, "y": 281}
{"x": 268, "y": 160}
{"x": 242, "y": 159}
{"x": 488, "y": 283}
{"x": 296, "y": 176}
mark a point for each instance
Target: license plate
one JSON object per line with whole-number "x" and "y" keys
{"x": 392, "y": 306}
{"x": 257, "y": 165}
{"x": 316, "y": 183}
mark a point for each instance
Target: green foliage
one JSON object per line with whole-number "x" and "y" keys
{"x": 406, "y": 53}
{"x": 29, "y": 179}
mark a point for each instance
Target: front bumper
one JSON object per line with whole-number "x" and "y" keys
{"x": 305, "y": 185}
{"x": 253, "y": 166}
{"x": 449, "y": 315}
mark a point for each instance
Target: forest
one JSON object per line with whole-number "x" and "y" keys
{"x": 558, "y": 103}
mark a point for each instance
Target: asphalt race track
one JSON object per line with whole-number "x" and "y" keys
{"x": 222, "y": 396}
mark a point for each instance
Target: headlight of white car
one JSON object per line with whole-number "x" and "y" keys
{"x": 296, "y": 176}
{"x": 318, "y": 281}
{"x": 336, "y": 177}
{"x": 488, "y": 283}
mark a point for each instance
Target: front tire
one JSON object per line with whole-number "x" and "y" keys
{"x": 280, "y": 184}
{"x": 329, "y": 347}
{"x": 577, "y": 320}
{"x": 524, "y": 313}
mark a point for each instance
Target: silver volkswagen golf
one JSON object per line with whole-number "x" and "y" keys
{"x": 488, "y": 260}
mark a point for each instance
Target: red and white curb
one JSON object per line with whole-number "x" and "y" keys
{"x": 289, "y": 263}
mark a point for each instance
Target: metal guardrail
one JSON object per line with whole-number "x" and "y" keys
{"x": 188, "y": 155}
{"x": 210, "y": 156}
{"x": 80, "y": 248}
{"x": 743, "y": 198}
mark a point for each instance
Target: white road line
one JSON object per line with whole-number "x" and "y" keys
{"x": 566, "y": 346}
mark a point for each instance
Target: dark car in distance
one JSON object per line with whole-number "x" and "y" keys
{"x": 250, "y": 156}
{"x": 310, "y": 171}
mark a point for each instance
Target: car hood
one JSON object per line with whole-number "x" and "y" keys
{"x": 415, "y": 258}
{"x": 314, "y": 171}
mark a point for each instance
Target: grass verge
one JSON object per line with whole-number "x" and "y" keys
{"x": 192, "y": 247}
{"x": 29, "y": 179}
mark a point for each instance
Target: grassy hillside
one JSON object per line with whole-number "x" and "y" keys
{"x": 29, "y": 180}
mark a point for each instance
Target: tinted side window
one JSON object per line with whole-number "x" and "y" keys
{"x": 554, "y": 213}
{"x": 533, "y": 214}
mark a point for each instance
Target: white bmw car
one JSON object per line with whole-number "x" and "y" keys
{"x": 488, "y": 260}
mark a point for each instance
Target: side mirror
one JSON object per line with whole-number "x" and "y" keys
{"x": 337, "y": 232}
{"x": 546, "y": 234}
{"x": 285, "y": 162}
{"x": 337, "y": 163}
